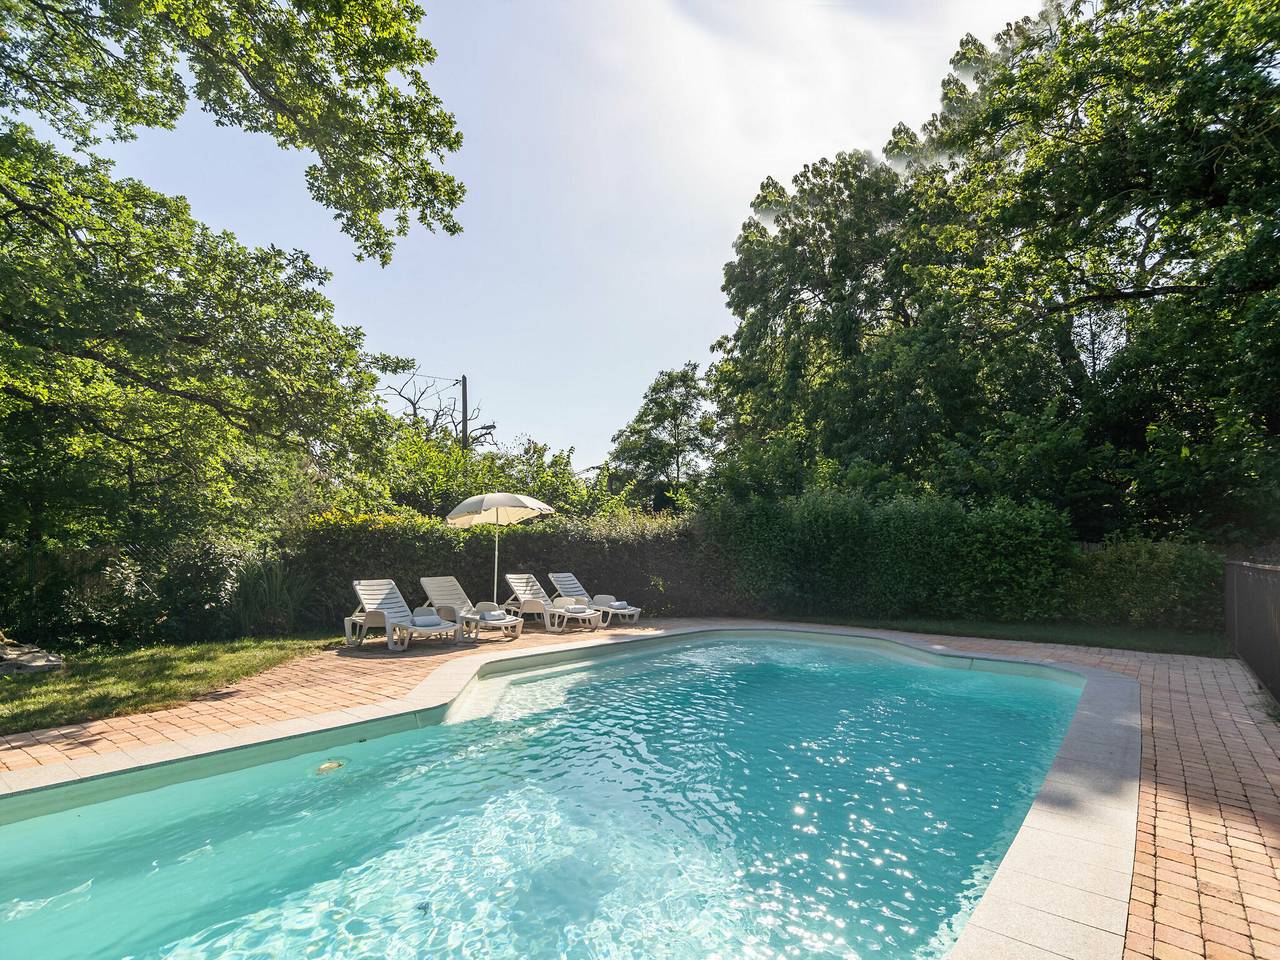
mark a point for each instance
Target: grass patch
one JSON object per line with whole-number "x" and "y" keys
{"x": 110, "y": 682}
{"x": 1146, "y": 639}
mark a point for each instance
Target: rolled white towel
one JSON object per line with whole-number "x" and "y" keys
{"x": 575, "y": 608}
{"x": 427, "y": 620}
{"x": 492, "y": 615}
{"x": 620, "y": 605}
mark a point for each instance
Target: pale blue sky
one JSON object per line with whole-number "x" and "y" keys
{"x": 611, "y": 150}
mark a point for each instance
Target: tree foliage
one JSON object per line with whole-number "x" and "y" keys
{"x": 161, "y": 384}
{"x": 344, "y": 81}
{"x": 663, "y": 450}
{"x": 1062, "y": 288}
{"x": 432, "y": 473}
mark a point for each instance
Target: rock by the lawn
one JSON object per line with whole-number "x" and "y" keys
{"x": 26, "y": 658}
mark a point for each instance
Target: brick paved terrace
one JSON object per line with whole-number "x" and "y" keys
{"x": 1207, "y": 862}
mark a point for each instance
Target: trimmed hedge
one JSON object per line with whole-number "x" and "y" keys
{"x": 824, "y": 553}
{"x": 1147, "y": 583}
{"x": 663, "y": 564}
{"x": 830, "y": 552}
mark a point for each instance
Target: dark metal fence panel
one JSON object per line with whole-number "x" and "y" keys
{"x": 1253, "y": 618}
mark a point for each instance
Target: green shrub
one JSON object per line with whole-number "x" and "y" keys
{"x": 114, "y": 597}
{"x": 832, "y": 552}
{"x": 192, "y": 595}
{"x": 1146, "y": 583}
{"x": 663, "y": 564}
{"x": 755, "y": 540}
{"x": 271, "y": 599}
{"x": 1012, "y": 563}
{"x": 914, "y": 561}
{"x": 826, "y": 552}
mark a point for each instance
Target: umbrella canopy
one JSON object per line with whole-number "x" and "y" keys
{"x": 499, "y": 509}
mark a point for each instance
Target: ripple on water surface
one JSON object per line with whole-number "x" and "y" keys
{"x": 738, "y": 799}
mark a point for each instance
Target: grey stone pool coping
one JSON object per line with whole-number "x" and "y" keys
{"x": 1061, "y": 890}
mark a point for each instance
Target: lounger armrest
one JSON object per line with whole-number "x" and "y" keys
{"x": 447, "y": 611}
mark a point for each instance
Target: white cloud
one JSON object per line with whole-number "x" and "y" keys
{"x": 710, "y": 97}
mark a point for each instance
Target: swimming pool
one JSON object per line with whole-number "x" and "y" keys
{"x": 734, "y": 798}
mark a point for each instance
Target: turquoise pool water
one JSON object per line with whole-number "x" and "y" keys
{"x": 742, "y": 798}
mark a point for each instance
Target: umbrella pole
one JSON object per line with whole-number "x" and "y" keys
{"x": 495, "y": 563}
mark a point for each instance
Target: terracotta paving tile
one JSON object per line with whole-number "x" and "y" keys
{"x": 1167, "y": 951}
{"x": 1179, "y": 938}
{"x": 1228, "y": 938}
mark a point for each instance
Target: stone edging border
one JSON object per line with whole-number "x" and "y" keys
{"x": 1061, "y": 890}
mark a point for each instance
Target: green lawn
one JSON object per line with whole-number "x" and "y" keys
{"x": 1148, "y": 639}
{"x": 105, "y": 682}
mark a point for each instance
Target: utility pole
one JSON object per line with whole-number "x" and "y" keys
{"x": 466, "y": 432}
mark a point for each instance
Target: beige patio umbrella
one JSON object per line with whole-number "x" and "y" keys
{"x": 499, "y": 509}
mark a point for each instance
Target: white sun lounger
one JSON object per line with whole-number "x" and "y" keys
{"x": 529, "y": 597}
{"x": 382, "y": 605}
{"x": 448, "y": 596}
{"x": 567, "y": 585}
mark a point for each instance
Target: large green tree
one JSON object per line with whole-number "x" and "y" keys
{"x": 159, "y": 381}
{"x": 343, "y": 81}
{"x": 836, "y": 362}
{"x": 432, "y": 473}
{"x": 662, "y": 452}
{"x": 1120, "y": 161}
{"x": 1063, "y": 287}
